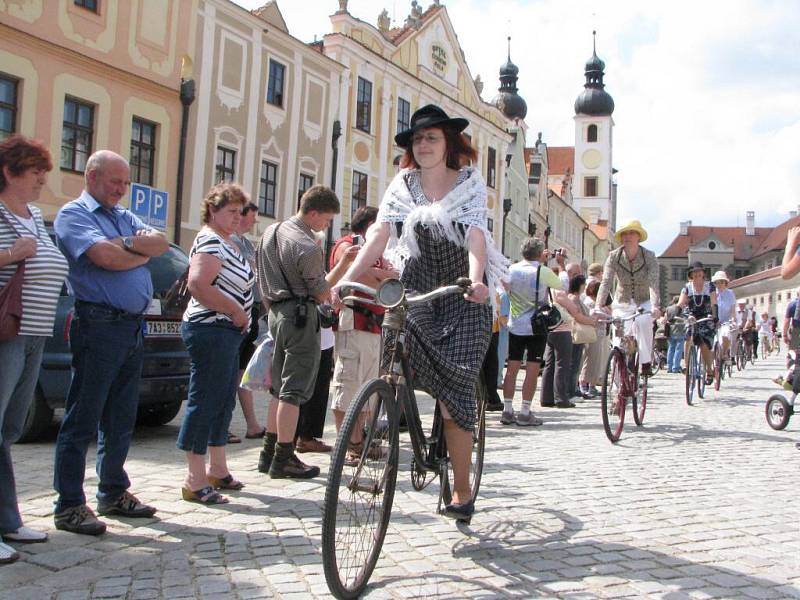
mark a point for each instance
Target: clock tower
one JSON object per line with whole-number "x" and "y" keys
{"x": 593, "y": 189}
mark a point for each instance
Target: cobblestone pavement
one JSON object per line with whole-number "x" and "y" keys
{"x": 701, "y": 503}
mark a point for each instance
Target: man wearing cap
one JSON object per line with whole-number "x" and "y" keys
{"x": 635, "y": 270}
{"x": 726, "y": 306}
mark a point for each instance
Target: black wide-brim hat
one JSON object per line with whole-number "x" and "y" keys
{"x": 696, "y": 266}
{"x": 426, "y": 117}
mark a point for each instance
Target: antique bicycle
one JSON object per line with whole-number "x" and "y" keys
{"x": 723, "y": 365}
{"x": 360, "y": 490}
{"x": 623, "y": 381}
{"x": 695, "y": 366}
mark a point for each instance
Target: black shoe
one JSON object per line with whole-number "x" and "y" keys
{"x": 403, "y": 423}
{"x": 79, "y": 519}
{"x": 291, "y": 468}
{"x": 547, "y": 404}
{"x": 567, "y": 404}
{"x": 460, "y": 512}
{"x": 496, "y": 406}
{"x": 264, "y": 461}
{"x": 646, "y": 370}
{"x": 126, "y": 505}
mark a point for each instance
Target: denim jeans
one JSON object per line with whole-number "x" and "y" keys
{"x": 20, "y": 359}
{"x": 107, "y": 355}
{"x": 213, "y": 379}
{"x": 675, "y": 352}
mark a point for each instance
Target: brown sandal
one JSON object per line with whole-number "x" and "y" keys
{"x": 205, "y": 495}
{"x": 226, "y": 483}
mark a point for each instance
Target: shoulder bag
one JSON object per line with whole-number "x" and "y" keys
{"x": 583, "y": 334}
{"x": 11, "y": 299}
{"x": 545, "y": 317}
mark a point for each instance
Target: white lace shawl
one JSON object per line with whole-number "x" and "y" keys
{"x": 464, "y": 204}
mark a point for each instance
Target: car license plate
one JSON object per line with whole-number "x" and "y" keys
{"x": 163, "y": 328}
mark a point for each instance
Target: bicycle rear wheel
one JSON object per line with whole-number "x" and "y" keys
{"x": 478, "y": 446}
{"x": 360, "y": 490}
{"x": 612, "y": 400}
{"x": 690, "y": 367}
{"x": 700, "y": 373}
{"x": 717, "y": 366}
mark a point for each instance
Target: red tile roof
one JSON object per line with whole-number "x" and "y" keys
{"x": 744, "y": 246}
{"x": 752, "y": 278}
{"x": 559, "y": 159}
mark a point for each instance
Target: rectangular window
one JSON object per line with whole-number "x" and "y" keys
{"x": 8, "y": 106}
{"x": 490, "y": 224}
{"x": 403, "y": 115}
{"x": 536, "y": 172}
{"x": 277, "y": 74}
{"x": 143, "y": 151}
{"x": 590, "y": 186}
{"x": 678, "y": 273}
{"x": 87, "y": 4}
{"x": 306, "y": 181}
{"x": 266, "y": 188}
{"x": 359, "y": 194}
{"x": 364, "y": 105}
{"x": 226, "y": 164}
{"x": 491, "y": 168}
{"x": 76, "y": 134}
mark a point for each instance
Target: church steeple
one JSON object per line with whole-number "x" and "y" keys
{"x": 594, "y": 100}
{"x": 507, "y": 100}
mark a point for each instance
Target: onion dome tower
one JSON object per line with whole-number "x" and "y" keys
{"x": 507, "y": 100}
{"x": 594, "y": 100}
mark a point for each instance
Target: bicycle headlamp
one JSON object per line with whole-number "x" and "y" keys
{"x": 390, "y": 293}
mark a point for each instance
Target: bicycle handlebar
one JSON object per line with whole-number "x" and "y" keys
{"x": 612, "y": 319}
{"x": 463, "y": 285}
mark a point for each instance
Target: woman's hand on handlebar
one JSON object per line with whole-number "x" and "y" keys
{"x": 478, "y": 293}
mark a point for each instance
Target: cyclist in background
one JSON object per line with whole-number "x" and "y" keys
{"x": 726, "y": 301}
{"x": 699, "y": 297}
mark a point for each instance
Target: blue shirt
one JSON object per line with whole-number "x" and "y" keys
{"x": 82, "y": 223}
{"x": 726, "y": 305}
{"x": 792, "y": 313}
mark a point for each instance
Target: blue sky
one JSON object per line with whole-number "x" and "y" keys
{"x": 707, "y": 93}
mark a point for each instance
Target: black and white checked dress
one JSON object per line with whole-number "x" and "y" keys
{"x": 447, "y": 339}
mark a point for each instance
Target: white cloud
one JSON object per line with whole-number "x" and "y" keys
{"x": 707, "y": 93}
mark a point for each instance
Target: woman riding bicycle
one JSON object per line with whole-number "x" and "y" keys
{"x": 700, "y": 298}
{"x": 726, "y": 303}
{"x": 432, "y": 222}
{"x": 635, "y": 270}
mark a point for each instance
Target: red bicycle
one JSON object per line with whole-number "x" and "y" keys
{"x": 623, "y": 381}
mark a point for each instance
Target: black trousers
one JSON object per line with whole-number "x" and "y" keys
{"x": 491, "y": 369}
{"x": 311, "y": 422}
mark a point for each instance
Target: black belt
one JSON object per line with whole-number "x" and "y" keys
{"x": 111, "y": 310}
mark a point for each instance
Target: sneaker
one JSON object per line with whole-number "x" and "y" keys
{"x": 528, "y": 420}
{"x": 7, "y": 554}
{"x": 79, "y": 519}
{"x": 507, "y": 418}
{"x": 126, "y": 505}
{"x": 291, "y": 468}
{"x": 25, "y": 535}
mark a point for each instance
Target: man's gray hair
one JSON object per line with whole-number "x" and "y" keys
{"x": 531, "y": 248}
{"x": 98, "y": 160}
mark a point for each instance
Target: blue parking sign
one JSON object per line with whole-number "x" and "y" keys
{"x": 150, "y": 205}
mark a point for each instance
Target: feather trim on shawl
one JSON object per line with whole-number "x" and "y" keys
{"x": 464, "y": 204}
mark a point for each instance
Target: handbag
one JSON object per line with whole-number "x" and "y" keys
{"x": 545, "y": 317}
{"x": 11, "y": 299}
{"x": 257, "y": 375}
{"x": 583, "y": 334}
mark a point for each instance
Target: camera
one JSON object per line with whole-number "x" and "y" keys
{"x": 300, "y": 314}
{"x": 358, "y": 240}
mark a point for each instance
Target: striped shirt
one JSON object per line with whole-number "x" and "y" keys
{"x": 235, "y": 278}
{"x": 44, "y": 273}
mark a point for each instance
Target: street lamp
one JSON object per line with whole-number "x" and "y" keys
{"x": 506, "y": 210}
{"x": 548, "y": 230}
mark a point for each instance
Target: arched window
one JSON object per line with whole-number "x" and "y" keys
{"x": 591, "y": 133}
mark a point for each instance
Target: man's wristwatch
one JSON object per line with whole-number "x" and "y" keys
{"x": 127, "y": 242}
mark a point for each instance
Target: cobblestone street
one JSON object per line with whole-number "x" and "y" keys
{"x": 700, "y": 503}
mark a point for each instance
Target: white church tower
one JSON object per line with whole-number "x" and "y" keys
{"x": 593, "y": 189}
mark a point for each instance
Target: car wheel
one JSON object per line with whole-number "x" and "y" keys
{"x": 39, "y": 418}
{"x": 154, "y": 415}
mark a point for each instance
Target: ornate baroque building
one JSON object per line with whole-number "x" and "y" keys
{"x": 84, "y": 75}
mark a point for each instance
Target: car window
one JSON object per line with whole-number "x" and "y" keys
{"x": 166, "y": 269}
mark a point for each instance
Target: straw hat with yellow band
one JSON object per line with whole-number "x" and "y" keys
{"x": 632, "y": 225}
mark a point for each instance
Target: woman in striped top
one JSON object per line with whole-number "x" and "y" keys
{"x": 24, "y": 164}
{"x": 214, "y": 324}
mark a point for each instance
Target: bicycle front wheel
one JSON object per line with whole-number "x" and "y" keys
{"x": 360, "y": 490}
{"x": 478, "y": 446}
{"x": 691, "y": 364}
{"x": 717, "y": 366}
{"x": 639, "y": 404}
{"x": 612, "y": 400}
{"x": 700, "y": 373}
